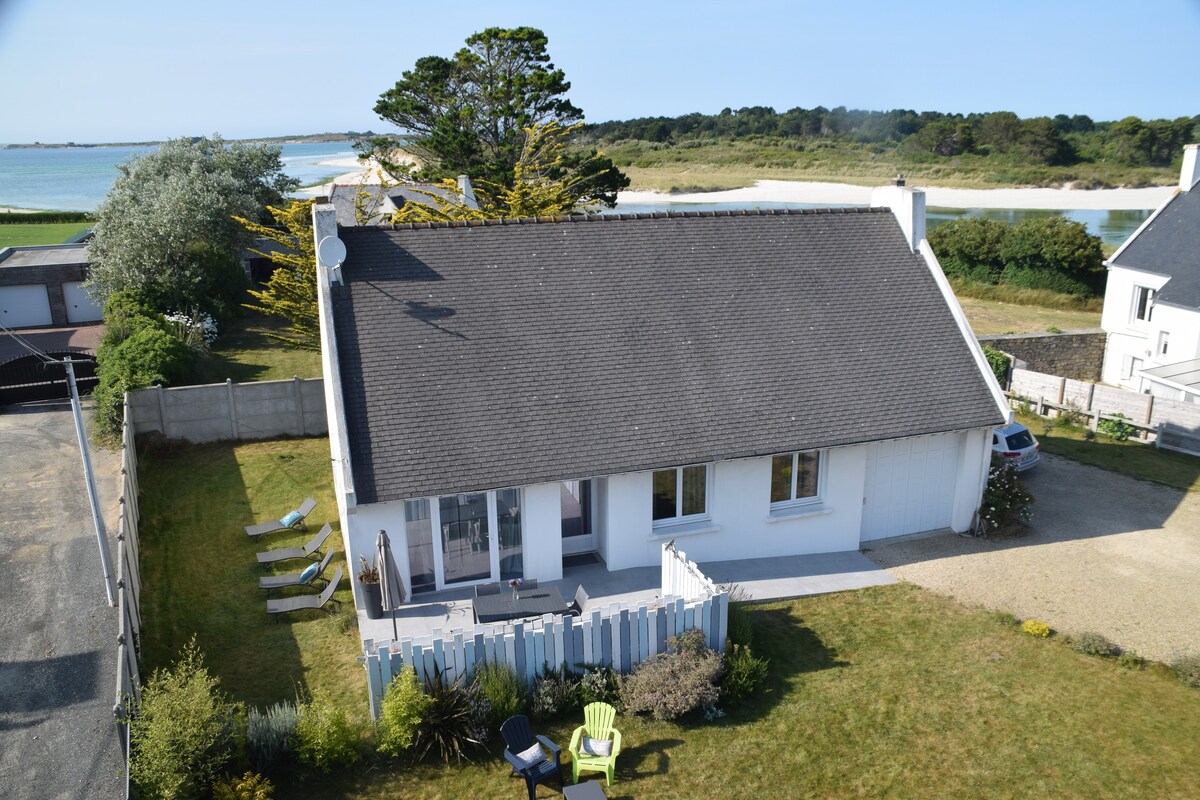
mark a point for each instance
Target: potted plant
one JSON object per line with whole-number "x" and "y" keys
{"x": 368, "y": 576}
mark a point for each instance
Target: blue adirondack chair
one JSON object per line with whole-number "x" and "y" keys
{"x": 518, "y": 738}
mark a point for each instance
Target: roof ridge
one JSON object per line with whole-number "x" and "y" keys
{"x": 597, "y": 217}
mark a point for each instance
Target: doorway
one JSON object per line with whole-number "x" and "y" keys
{"x": 578, "y": 522}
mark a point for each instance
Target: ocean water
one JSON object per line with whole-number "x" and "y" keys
{"x": 78, "y": 178}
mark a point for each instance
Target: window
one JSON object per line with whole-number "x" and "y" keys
{"x": 795, "y": 478}
{"x": 1143, "y": 303}
{"x": 680, "y": 493}
{"x": 1162, "y": 343}
{"x": 1129, "y": 365}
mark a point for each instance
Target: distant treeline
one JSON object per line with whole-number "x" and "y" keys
{"x": 39, "y": 217}
{"x": 1062, "y": 140}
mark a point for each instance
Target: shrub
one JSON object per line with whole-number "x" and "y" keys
{"x": 1093, "y": 644}
{"x": 269, "y": 733}
{"x": 599, "y": 684}
{"x": 744, "y": 673}
{"x": 182, "y": 730}
{"x": 451, "y": 723}
{"x": 1187, "y": 670}
{"x": 673, "y": 683}
{"x": 1005, "y": 498}
{"x": 248, "y": 787}
{"x": 504, "y": 691}
{"x": 741, "y": 628}
{"x": 555, "y": 692}
{"x": 998, "y": 361}
{"x": 400, "y": 714}
{"x": 324, "y": 737}
{"x": 1116, "y": 428}
{"x": 1035, "y": 627}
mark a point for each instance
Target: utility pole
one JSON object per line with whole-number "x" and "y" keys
{"x": 97, "y": 519}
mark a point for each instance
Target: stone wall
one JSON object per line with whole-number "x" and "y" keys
{"x": 1078, "y": 355}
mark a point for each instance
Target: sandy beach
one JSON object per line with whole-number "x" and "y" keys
{"x": 845, "y": 194}
{"x": 358, "y": 173}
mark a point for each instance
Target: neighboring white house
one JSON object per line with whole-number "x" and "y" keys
{"x": 1152, "y": 302}
{"x": 503, "y": 395}
{"x": 378, "y": 203}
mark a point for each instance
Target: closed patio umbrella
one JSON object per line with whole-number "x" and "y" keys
{"x": 391, "y": 586}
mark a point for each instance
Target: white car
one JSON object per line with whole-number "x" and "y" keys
{"x": 1017, "y": 445}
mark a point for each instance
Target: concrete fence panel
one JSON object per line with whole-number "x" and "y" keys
{"x": 232, "y": 411}
{"x": 1095, "y": 398}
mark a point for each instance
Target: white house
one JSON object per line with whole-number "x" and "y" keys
{"x": 504, "y": 395}
{"x": 1152, "y": 302}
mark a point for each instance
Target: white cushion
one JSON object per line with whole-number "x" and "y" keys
{"x": 596, "y": 747}
{"x": 531, "y": 756}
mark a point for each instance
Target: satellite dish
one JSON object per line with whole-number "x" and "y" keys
{"x": 331, "y": 251}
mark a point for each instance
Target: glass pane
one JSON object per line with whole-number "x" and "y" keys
{"x": 664, "y": 494}
{"x": 808, "y": 467}
{"x": 695, "y": 480}
{"x": 466, "y": 540}
{"x": 781, "y": 478}
{"x": 575, "y": 508}
{"x": 508, "y": 512}
{"x": 419, "y": 531}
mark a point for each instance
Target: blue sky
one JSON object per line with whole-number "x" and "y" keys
{"x": 131, "y": 70}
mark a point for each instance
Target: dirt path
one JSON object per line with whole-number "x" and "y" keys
{"x": 1105, "y": 553}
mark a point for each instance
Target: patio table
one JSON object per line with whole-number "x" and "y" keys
{"x": 530, "y": 603}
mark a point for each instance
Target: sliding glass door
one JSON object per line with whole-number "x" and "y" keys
{"x": 466, "y": 538}
{"x": 462, "y": 539}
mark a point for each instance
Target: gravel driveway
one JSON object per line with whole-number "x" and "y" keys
{"x": 1104, "y": 553}
{"x": 58, "y": 665}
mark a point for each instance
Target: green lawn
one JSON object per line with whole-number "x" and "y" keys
{"x": 1132, "y": 458}
{"x": 244, "y": 352}
{"x": 45, "y": 233}
{"x": 886, "y": 692}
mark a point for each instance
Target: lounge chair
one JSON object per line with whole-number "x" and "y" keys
{"x": 542, "y": 765}
{"x": 313, "y": 546}
{"x": 283, "y": 605}
{"x": 311, "y": 574}
{"x": 576, "y": 608}
{"x": 595, "y": 734}
{"x": 292, "y": 519}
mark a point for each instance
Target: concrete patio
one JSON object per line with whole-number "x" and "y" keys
{"x": 759, "y": 579}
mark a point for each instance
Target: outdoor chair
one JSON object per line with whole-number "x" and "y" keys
{"x": 524, "y": 751}
{"x": 285, "y": 604}
{"x": 313, "y": 546}
{"x": 292, "y": 519}
{"x": 575, "y": 609}
{"x": 590, "y": 741}
{"x": 311, "y": 574}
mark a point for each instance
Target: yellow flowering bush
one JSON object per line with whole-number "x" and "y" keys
{"x": 1035, "y": 627}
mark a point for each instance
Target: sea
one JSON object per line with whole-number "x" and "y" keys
{"x": 78, "y": 178}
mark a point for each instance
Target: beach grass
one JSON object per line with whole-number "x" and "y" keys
{"x": 40, "y": 233}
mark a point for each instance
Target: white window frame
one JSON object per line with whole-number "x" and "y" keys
{"x": 680, "y": 518}
{"x": 1163, "y": 341}
{"x": 1138, "y": 291}
{"x": 798, "y": 502}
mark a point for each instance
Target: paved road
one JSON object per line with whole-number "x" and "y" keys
{"x": 58, "y": 660}
{"x": 1104, "y": 553}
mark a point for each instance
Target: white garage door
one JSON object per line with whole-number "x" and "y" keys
{"x": 25, "y": 306}
{"x": 910, "y": 485}
{"x": 80, "y": 306}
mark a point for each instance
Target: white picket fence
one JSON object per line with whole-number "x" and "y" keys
{"x": 618, "y": 636}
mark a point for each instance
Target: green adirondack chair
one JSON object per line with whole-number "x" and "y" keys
{"x": 597, "y": 724}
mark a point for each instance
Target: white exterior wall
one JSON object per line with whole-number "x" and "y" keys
{"x": 541, "y": 531}
{"x": 1130, "y": 337}
{"x": 359, "y": 530}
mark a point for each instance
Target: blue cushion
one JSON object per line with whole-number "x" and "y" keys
{"x": 309, "y": 573}
{"x": 291, "y": 518}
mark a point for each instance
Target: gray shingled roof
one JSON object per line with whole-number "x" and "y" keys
{"x": 1170, "y": 245}
{"x": 502, "y": 355}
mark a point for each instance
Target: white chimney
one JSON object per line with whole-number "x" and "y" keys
{"x": 467, "y": 192}
{"x": 330, "y": 250}
{"x": 1190, "y": 174}
{"x": 908, "y": 206}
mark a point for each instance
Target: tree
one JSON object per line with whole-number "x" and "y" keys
{"x": 543, "y": 186}
{"x": 291, "y": 292}
{"x": 467, "y": 115}
{"x": 167, "y": 220}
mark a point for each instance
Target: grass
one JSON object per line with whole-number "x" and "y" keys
{"x": 885, "y": 692}
{"x": 1132, "y": 458}
{"x": 40, "y": 233}
{"x": 200, "y": 575}
{"x": 245, "y": 352}
{"x": 994, "y": 316}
